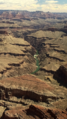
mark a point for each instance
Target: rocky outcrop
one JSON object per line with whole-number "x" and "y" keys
{"x": 29, "y": 97}
{"x": 34, "y": 111}
{"x": 34, "y": 92}
{"x": 47, "y": 113}
{"x": 51, "y": 67}
{"x": 29, "y": 87}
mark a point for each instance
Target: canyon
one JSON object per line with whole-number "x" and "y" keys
{"x": 24, "y": 92}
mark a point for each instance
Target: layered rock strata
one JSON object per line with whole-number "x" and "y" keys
{"x": 29, "y": 97}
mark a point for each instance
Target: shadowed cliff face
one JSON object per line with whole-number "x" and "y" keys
{"x": 42, "y": 95}
{"x": 61, "y": 75}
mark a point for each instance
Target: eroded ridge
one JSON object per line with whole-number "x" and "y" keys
{"x": 26, "y": 95}
{"x": 15, "y": 56}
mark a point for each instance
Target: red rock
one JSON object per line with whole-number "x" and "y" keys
{"x": 48, "y": 113}
{"x": 35, "y": 112}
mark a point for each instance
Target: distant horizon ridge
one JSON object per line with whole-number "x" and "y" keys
{"x": 33, "y": 11}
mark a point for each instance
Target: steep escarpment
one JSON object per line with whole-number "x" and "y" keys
{"x": 15, "y": 56}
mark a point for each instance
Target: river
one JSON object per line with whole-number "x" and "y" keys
{"x": 37, "y": 63}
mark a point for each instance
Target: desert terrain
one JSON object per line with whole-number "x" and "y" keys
{"x": 33, "y": 65}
